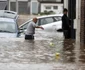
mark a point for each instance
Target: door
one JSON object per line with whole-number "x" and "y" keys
{"x": 34, "y": 7}
{"x": 48, "y": 23}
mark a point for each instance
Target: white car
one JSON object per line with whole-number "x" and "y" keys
{"x": 48, "y": 22}
{"x": 8, "y": 24}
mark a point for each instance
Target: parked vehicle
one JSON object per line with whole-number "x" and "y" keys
{"x": 48, "y": 22}
{"x": 8, "y": 24}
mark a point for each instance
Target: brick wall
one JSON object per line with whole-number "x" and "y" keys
{"x": 82, "y": 27}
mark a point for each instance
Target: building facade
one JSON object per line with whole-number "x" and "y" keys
{"x": 3, "y": 4}
{"x": 36, "y": 6}
{"x": 51, "y": 5}
{"x": 56, "y": 8}
{"x": 82, "y": 25}
{"x": 79, "y": 21}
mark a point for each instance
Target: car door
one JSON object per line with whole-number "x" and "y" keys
{"x": 48, "y": 23}
{"x": 58, "y": 22}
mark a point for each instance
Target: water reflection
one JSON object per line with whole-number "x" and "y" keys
{"x": 68, "y": 50}
{"x": 82, "y": 54}
{"x": 41, "y": 51}
{"x": 37, "y": 51}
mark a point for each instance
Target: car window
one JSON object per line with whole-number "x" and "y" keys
{"x": 44, "y": 21}
{"x": 24, "y": 26}
{"x": 8, "y": 26}
{"x": 57, "y": 18}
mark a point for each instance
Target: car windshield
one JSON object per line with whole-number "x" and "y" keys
{"x": 8, "y": 27}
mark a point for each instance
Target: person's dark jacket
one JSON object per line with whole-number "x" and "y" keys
{"x": 65, "y": 22}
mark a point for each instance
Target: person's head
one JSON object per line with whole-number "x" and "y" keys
{"x": 35, "y": 19}
{"x": 65, "y": 11}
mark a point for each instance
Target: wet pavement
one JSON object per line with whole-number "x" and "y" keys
{"x": 49, "y": 51}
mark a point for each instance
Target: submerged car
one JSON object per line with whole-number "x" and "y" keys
{"x": 8, "y": 24}
{"x": 48, "y": 22}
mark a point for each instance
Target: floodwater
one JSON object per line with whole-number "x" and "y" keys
{"x": 49, "y": 51}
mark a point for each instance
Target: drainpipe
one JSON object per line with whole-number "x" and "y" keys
{"x": 77, "y": 26}
{"x": 77, "y": 21}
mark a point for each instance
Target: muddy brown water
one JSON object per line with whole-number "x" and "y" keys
{"x": 50, "y": 51}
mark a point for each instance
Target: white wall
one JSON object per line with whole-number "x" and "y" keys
{"x": 66, "y": 4}
{"x": 57, "y": 11}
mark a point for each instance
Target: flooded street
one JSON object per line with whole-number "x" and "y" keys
{"x": 49, "y": 51}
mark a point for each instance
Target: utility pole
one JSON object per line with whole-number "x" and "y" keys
{"x": 17, "y": 6}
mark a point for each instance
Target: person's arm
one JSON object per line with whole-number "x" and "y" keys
{"x": 34, "y": 25}
{"x": 39, "y": 27}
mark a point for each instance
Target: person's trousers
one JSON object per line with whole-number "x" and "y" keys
{"x": 29, "y": 37}
{"x": 67, "y": 34}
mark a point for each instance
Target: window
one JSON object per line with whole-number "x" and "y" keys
{"x": 24, "y": 26}
{"x": 57, "y": 18}
{"x": 13, "y": 6}
{"x": 49, "y": 20}
{"x": 48, "y": 7}
{"x": 44, "y": 21}
{"x": 8, "y": 26}
{"x": 55, "y": 7}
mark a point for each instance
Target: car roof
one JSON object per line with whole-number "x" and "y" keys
{"x": 8, "y": 14}
{"x": 44, "y": 16}
{"x": 50, "y": 15}
{"x": 6, "y": 20}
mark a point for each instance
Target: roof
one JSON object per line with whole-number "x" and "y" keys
{"x": 6, "y": 20}
{"x": 50, "y": 15}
